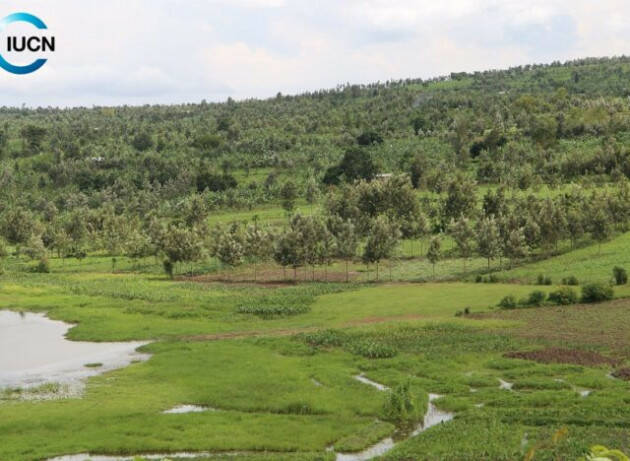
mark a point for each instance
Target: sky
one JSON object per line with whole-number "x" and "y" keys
{"x": 113, "y": 52}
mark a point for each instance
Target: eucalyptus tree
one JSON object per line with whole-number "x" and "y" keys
{"x": 463, "y": 233}
{"x": 515, "y": 247}
{"x": 181, "y": 244}
{"x": 258, "y": 246}
{"x": 434, "y": 253}
{"x": 288, "y": 252}
{"x": 381, "y": 242}
{"x": 488, "y": 239}
{"x": 137, "y": 245}
{"x": 599, "y": 226}
{"x": 346, "y": 242}
{"x": 230, "y": 247}
{"x": 289, "y": 194}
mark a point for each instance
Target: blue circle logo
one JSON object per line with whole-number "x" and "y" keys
{"x": 32, "y": 43}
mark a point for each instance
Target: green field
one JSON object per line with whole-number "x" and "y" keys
{"x": 264, "y": 377}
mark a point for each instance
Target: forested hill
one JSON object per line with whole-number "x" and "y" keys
{"x": 531, "y": 124}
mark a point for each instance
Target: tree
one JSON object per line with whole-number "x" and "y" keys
{"x": 137, "y": 245}
{"x": 195, "y": 211}
{"x": 230, "y": 247}
{"x": 356, "y": 164}
{"x": 381, "y": 242}
{"x": 575, "y": 226}
{"x": 418, "y": 123}
{"x": 600, "y": 227}
{"x": 552, "y": 223}
{"x": 288, "y": 194}
{"x": 461, "y": 199}
{"x": 17, "y": 226}
{"x": 417, "y": 171}
{"x": 434, "y": 252}
{"x": 258, "y": 245}
{"x": 531, "y": 232}
{"x": 114, "y": 233}
{"x": 32, "y": 138}
{"x": 369, "y": 138}
{"x": 76, "y": 228}
{"x": 142, "y": 141}
{"x": 464, "y": 236}
{"x": 515, "y": 246}
{"x": 181, "y": 245}
{"x": 287, "y": 251}
{"x": 347, "y": 241}
{"x": 312, "y": 192}
{"x": 488, "y": 241}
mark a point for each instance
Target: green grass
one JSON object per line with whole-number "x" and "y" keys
{"x": 265, "y": 398}
{"x": 290, "y": 391}
{"x": 588, "y": 264}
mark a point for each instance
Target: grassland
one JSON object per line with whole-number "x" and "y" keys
{"x": 282, "y": 385}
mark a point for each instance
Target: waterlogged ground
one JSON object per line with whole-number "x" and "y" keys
{"x": 313, "y": 384}
{"x": 34, "y": 352}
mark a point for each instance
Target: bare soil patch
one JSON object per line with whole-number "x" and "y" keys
{"x": 559, "y": 355}
{"x": 602, "y": 325}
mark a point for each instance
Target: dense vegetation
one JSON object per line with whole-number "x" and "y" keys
{"x": 238, "y": 237}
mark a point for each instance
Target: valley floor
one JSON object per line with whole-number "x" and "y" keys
{"x": 273, "y": 368}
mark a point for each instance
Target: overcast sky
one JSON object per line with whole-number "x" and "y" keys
{"x": 112, "y": 52}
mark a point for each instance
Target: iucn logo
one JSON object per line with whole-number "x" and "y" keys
{"x": 25, "y": 43}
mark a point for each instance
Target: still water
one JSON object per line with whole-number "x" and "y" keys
{"x": 34, "y": 351}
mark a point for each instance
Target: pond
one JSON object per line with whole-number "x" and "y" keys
{"x": 34, "y": 351}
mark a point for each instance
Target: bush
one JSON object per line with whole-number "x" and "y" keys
{"x": 373, "y": 350}
{"x": 571, "y": 280}
{"x": 564, "y": 296}
{"x": 493, "y": 279}
{"x": 621, "y": 276}
{"x": 401, "y": 405}
{"x": 168, "y": 267}
{"x": 597, "y": 292}
{"x": 325, "y": 338}
{"x": 268, "y": 312}
{"x": 536, "y": 298}
{"x": 543, "y": 280}
{"x": 479, "y": 278}
{"x": 43, "y": 267}
{"x": 509, "y": 302}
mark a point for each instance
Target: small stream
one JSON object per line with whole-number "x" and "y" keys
{"x": 433, "y": 417}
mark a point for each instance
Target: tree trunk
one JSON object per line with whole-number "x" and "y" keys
{"x": 347, "y": 275}
{"x": 377, "y": 264}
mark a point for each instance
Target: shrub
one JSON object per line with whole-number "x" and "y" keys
{"x": 479, "y": 278}
{"x": 493, "y": 279}
{"x": 325, "y": 338}
{"x": 401, "y": 405}
{"x": 571, "y": 280}
{"x": 373, "y": 350}
{"x": 168, "y": 267}
{"x": 465, "y": 312}
{"x": 621, "y": 276}
{"x": 597, "y": 292}
{"x": 43, "y": 267}
{"x": 268, "y": 312}
{"x": 536, "y": 298}
{"x": 509, "y": 302}
{"x": 543, "y": 280}
{"x": 564, "y": 296}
